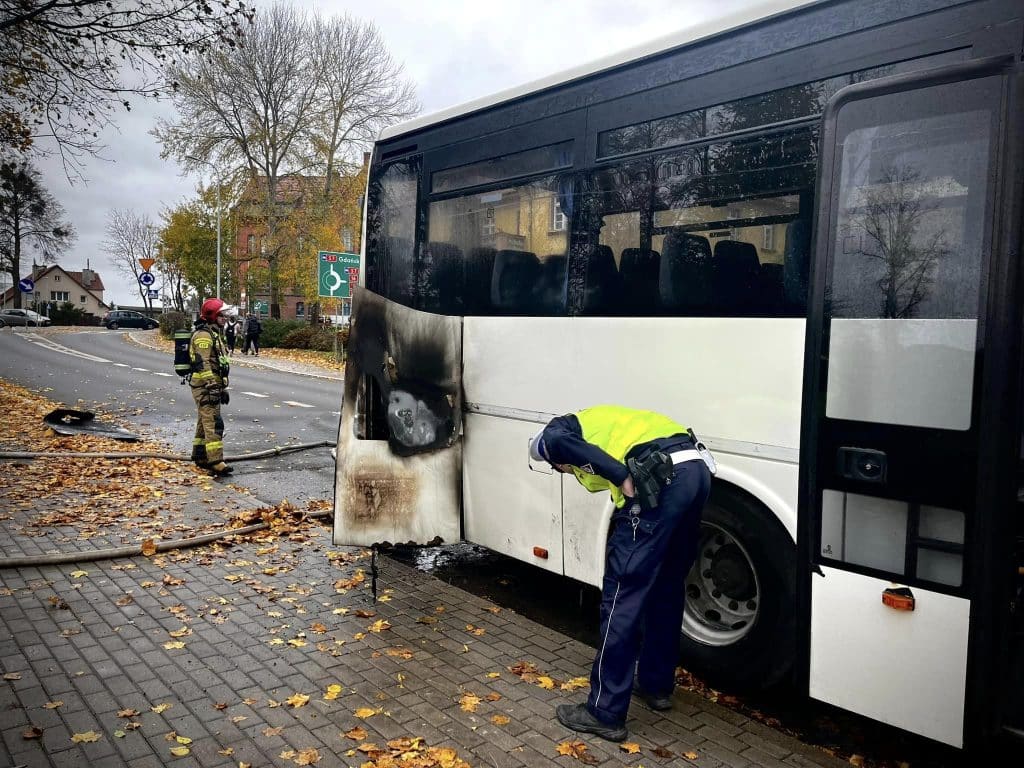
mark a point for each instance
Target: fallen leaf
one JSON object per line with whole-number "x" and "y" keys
{"x": 180, "y": 751}
{"x": 148, "y": 547}
{"x": 127, "y": 712}
{"x": 469, "y": 702}
{"x": 426, "y": 620}
{"x": 297, "y": 700}
{"x": 52, "y": 704}
{"x": 691, "y": 755}
{"x": 307, "y": 757}
{"x": 183, "y": 632}
{"x": 12, "y": 676}
{"x": 78, "y": 575}
{"x": 88, "y": 736}
{"x": 227, "y": 751}
{"x": 333, "y": 691}
{"x": 630, "y": 747}
{"x": 356, "y": 734}
{"x": 545, "y": 682}
{"x": 124, "y": 600}
{"x": 380, "y": 625}
{"x": 273, "y": 731}
{"x": 32, "y": 732}
{"x": 500, "y": 719}
{"x": 174, "y": 645}
{"x": 160, "y": 708}
{"x": 663, "y": 753}
{"x": 182, "y": 739}
{"x": 364, "y": 712}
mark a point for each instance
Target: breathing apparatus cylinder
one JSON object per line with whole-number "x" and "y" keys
{"x": 182, "y": 354}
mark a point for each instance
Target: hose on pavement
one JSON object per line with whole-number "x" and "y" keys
{"x": 279, "y": 450}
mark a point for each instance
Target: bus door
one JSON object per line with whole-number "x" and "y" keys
{"x": 398, "y": 476}
{"x": 910, "y": 441}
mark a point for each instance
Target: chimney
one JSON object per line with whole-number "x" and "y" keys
{"x": 87, "y": 276}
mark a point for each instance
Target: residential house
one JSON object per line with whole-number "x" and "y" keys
{"x": 55, "y": 286}
{"x": 250, "y": 251}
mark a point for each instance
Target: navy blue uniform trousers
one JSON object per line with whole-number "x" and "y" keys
{"x": 649, "y": 554}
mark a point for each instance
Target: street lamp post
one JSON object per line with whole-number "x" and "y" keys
{"x": 214, "y": 168}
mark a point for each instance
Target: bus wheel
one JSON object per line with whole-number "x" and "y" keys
{"x": 739, "y": 625}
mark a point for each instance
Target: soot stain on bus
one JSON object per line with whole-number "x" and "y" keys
{"x": 403, "y": 376}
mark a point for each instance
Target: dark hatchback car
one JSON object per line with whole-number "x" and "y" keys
{"x": 125, "y": 318}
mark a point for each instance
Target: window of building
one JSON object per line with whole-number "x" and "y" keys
{"x": 82, "y": 298}
{"x": 768, "y": 237}
{"x": 250, "y": 243}
{"x": 558, "y": 220}
{"x": 300, "y": 309}
{"x": 60, "y": 296}
{"x": 56, "y": 278}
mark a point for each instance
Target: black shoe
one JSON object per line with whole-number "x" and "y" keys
{"x": 657, "y": 703}
{"x": 220, "y": 469}
{"x": 578, "y": 718}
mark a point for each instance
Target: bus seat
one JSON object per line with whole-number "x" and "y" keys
{"x": 735, "y": 277}
{"x": 771, "y": 288}
{"x": 638, "y": 270}
{"x": 442, "y": 278}
{"x": 515, "y": 277}
{"x": 796, "y": 265}
{"x": 551, "y": 287}
{"x": 684, "y": 277}
{"x": 602, "y": 281}
{"x": 478, "y": 269}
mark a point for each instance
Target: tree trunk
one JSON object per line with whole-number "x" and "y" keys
{"x": 16, "y": 258}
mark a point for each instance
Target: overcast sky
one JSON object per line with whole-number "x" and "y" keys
{"x": 453, "y": 50}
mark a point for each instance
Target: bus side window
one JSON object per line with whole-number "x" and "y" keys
{"x": 684, "y": 280}
{"x": 441, "y": 279}
{"x": 516, "y": 275}
{"x": 638, "y": 269}
{"x": 551, "y": 288}
{"x": 602, "y": 281}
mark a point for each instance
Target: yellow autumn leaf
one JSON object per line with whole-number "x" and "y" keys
{"x": 690, "y": 755}
{"x": 545, "y": 682}
{"x": 630, "y": 747}
{"x": 182, "y": 739}
{"x": 469, "y": 702}
{"x": 180, "y": 751}
{"x": 160, "y": 708}
{"x": 183, "y": 632}
{"x": 148, "y": 547}
{"x": 127, "y": 712}
{"x": 78, "y": 575}
{"x": 500, "y": 719}
{"x": 53, "y": 704}
{"x": 364, "y": 712}
{"x": 574, "y": 683}
{"x": 333, "y": 691}
{"x": 380, "y": 625}
{"x": 174, "y": 644}
{"x": 493, "y": 675}
{"x": 307, "y": 757}
{"x": 88, "y": 736}
{"x": 297, "y": 700}
{"x": 297, "y": 642}
{"x": 356, "y": 734}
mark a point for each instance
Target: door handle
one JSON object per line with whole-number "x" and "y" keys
{"x": 863, "y": 464}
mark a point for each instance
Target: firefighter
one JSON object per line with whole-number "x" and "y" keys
{"x": 659, "y": 477}
{"x": 209, "y": 380}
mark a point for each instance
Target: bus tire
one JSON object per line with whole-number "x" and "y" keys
{"x": 739, "y": 629}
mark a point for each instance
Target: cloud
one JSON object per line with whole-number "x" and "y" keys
{"x": 454, "y": 51}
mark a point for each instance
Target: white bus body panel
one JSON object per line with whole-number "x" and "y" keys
{"x": 736, "y": 381}
{"x": 904, "y": 668}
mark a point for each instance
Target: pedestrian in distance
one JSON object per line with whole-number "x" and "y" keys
{"x": 659, "y": 477}
{"x": 209, "y": 382}
{"x": 231, "y": 332}
{"x": 253, "y": 329}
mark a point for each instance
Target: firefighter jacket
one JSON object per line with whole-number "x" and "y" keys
{"x": 210, "y": 362}
{"x": 595, "y": 442}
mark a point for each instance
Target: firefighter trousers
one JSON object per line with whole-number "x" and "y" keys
{"x": 649, "y": 554}
{"x": 208, "y": 444}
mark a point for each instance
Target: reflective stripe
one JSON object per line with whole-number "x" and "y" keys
{"x": 197, "y": 441}
{"x": 202, "y": 375}
{"x": 688, "y": 455}
{"x": 604, "y": 642}
{"x": 214, "y": 445}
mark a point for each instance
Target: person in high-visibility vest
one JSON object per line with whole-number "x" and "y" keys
{"x": 209, "y": 381}
{"x": 659, "y": 478}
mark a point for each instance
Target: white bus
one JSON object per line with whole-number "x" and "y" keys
{"x": 797, "y": 231}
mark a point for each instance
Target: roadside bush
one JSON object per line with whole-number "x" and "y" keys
{"x": 275, "y": 331}
{"x": 298, "y": 339}
{"x": 173, "y": 321}
{"x": 68, "y": 314}
{"x": 322, "y": 340}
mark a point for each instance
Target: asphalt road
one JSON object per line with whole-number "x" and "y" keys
{"x": 103, "y": 371}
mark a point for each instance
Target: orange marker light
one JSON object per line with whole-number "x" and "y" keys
{"x": 898, "y": 598}
{"x": 540, "y": 552}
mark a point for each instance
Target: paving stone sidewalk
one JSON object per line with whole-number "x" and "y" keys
{"x": 213, "y": 644}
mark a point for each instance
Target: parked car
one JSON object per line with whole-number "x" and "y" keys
{"x": 22, "y": 317}
{"x": 126, "y": 318}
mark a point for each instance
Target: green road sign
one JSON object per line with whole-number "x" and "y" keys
{"x": 261, "y": 307}
{"x": 337, "y": 272}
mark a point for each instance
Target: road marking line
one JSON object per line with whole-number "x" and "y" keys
{"x": 298, "y": 405}
{"x": 55, "y": 347}
{"x": 143, "y": 370}
{"x": 157, "y": 373}
{"x": 122, "y": 365}
{"x": 255, "y": 394}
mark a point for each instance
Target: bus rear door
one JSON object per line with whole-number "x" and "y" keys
{"x": 910, "y": 438}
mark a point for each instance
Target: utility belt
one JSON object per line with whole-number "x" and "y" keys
{"x": 652, "y": 465}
